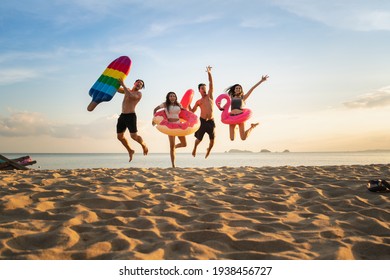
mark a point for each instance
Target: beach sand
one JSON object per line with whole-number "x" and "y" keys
{"x": 194, "y": 213}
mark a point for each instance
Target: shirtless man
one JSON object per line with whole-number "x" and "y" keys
{"x": 128, "y": 118}
{"x": 207, "y": 124}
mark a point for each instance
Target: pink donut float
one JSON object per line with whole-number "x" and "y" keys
{"x": 226, "y": 118}
{"x": 188, "y": 124}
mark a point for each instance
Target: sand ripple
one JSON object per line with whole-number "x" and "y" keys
{"x": 194, "y": 213}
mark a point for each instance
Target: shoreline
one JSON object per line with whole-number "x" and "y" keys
{"x": 178, "y": 168}
{"x": 276, "y": 213}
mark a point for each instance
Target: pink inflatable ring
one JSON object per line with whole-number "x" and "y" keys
{"x": 226, "y": 118}
{"x": 189, "y": 122}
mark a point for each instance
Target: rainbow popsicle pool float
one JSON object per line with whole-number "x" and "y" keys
{"x": 107, "y": 85}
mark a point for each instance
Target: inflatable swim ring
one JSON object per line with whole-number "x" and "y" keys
{"x": 107, "y": 85}
{"x": 226, "y": 118}
{"x": 189, "y": 122}
{"x": 187, "y": 99}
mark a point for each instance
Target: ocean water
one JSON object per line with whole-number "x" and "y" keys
{"x": 162, "y": 160}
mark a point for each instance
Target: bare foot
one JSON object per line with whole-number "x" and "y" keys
{"x": 253, "y": 125}
{"x": 145, "y": 148}
{"x": 208, "y": 152}
{"x": 194, "y": 152}
{"x": 131, "y": 153}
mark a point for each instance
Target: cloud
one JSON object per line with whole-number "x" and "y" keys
{"x": 35, "y": 64}
{"x": 65, "y": 12}
{"x": 24, "y": 124}
{"x": 9, "y": 58}
{"x": 77, "y": 14}
{"x": 258, "y": 22}
{"x": 358, "y": 15}
{"x": 166, "y": 26}
{"x": 350, "y": 14}
{"x": 10, "y": 76}
{"x": 376, "y": 99}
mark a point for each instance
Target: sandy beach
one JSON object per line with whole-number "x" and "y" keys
{"x": 194, "y": 213}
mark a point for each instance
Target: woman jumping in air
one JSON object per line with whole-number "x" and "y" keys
{"x": 172, "y": 108}
{"x": 238, "y": 99}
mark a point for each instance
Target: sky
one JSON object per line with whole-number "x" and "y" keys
{"x": 328, "y": 64}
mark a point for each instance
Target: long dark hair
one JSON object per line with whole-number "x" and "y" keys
{"x": 230, "y": 90}
{"x": 168, "y": 102}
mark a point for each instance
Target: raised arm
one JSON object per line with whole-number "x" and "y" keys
{"x": 123, "y": 88}
{"x": 263, "y": 79}
{"x": 211, "y": 86}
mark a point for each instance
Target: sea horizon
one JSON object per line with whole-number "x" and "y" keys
{"x": 233, "y": 151}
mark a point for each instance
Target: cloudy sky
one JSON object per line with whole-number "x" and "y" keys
{"x": 328, "y": 62}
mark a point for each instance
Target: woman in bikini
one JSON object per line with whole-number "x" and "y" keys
{"x": 238, "y": 99}
{"x": 172, "y": 108}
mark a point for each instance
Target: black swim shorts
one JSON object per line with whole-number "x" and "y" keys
{"x": 205, "y": 127}
{"x": 127, "y": 121}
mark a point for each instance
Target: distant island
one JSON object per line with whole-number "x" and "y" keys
{"x": 288, "y": 151}
{"x": 376, "y": 151}
{"x": 238, "y": 151}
